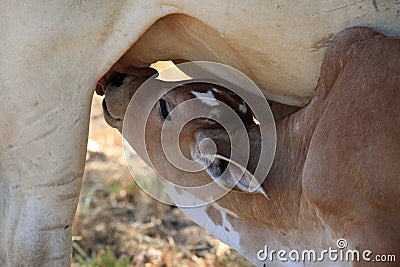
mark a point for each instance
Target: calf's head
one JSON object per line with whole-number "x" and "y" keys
{"x": 190, "y": 124}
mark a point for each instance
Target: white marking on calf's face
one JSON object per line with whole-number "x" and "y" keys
{"x": 216, "y": 90}
{"x": 207, "y": 98}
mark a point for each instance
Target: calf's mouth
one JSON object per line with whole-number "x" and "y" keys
{"x": 112, "y": 121}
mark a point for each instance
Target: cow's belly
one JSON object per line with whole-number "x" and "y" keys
{"x": 278, "y": 44}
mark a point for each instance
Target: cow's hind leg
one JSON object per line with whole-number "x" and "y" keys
{"x": 41, "y": 164}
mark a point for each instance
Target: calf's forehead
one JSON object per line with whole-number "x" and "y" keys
{"x": 202, "y": 90}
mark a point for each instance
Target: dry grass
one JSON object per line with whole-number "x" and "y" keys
{"x": 119, "y": 225}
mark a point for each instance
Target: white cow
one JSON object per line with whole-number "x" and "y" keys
{"x": 53, "y": 52}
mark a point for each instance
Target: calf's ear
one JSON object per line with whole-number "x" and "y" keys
{"x": 246, "y": 181}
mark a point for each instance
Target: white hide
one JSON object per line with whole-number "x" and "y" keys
{"x": 53, "y": 53}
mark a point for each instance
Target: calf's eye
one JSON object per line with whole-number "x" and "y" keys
{"x": 117, "y": 79}
{"x": 164, "y": 109}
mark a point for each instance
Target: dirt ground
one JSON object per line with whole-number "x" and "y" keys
{"x": 117, "y": 224}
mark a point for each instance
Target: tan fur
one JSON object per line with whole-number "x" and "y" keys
{"x": 54, "y": 52}
{"x": 337, "y": 164}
